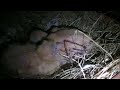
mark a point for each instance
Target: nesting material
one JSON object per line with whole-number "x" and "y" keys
{"x": 105, "y": 72}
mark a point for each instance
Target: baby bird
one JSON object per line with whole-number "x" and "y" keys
{"x": 28, "y": 61}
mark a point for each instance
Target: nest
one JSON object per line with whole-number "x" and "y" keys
{"x": 102, "y": 62}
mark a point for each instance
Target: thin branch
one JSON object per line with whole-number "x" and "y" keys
{"x": 79, "y": 18}
{"x": 97, "y": 45}
{"x": 94, "y": 24}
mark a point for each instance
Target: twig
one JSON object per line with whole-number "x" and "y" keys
{"x": 97, "y": 44}
{"x": 78, "y": 65}
{"x": 110, "y": 65}
{"x": 94, "y": 24}
{"x": 75, "y": 21}
{"x": 114, "y": 51}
